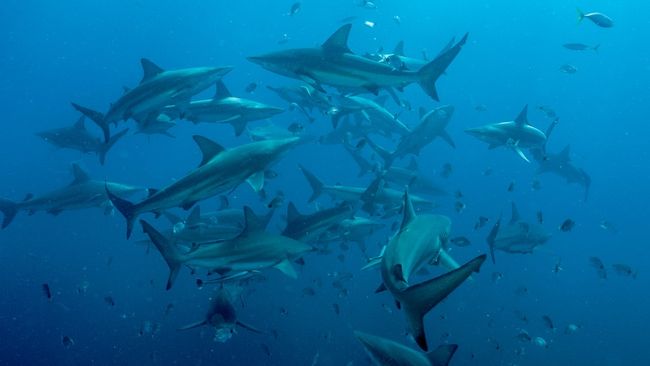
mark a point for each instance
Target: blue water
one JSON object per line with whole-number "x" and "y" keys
{"x": 57, "y": 52}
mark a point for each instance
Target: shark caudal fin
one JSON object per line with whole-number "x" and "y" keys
{"x": 96, "y": 117}
{"x": 315, "y": 183}
{"x": 387, "y": 156}
{"x": 9, "y": 210}
{"x": 167, "y": 249}
{"x": 107, "y": 146}
{"x": 126, "y": 208}
{"x": 581, "y": 15}
{"x": 418, "y": 299}
{"x": 430, "y": 72}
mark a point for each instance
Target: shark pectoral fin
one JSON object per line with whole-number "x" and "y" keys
{"x": 373, "y": 263}
{"x": 238, "y": 124}
{"x": 249, "y": 327}
{"x": 194, "y": 325}
{"x": 446, "y": 260}
{"x": 442, "y": 355}
{"x": 380, "y": 288}
{"x": 256, "y": 181}
{"x": 521, "y": 153}
{"x": 445, "y": 136}
{"x": 419, "y": 299}
{"x": 285, "y": 267}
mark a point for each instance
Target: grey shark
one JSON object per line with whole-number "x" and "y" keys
{"x": 82, "y": 192}
{"x": 252, "y": 249}
{"x": 221, "y": 316}
{"x": 77, "y": 137}
{"x": 334, "y": 64}
{"x": 158, "y": 125}
{"x": 372, "y": 196}
{"x": 561, "y": 165}
{"x": 516, "y": 135}
{"x": 197, "y": 229}
{"x": 385, "y": 352}
{"x": 373, "y": 112}
{"x": 420, "y": 240}
{"x": 304, "y": 97}
{"x": 157, "y": 89}
{"x": 518, "y": 236}
{"x": 432, "y": 125}
{"x": 224, "y": 108}
{"x": 221, "y": 170}
{"x": 355, "y": 229}
{"x": 308, "y": 228}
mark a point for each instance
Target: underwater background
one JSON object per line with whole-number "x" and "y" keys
{"x": 57, "y": 52}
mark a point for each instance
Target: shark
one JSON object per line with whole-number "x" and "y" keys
{"x": 197, "y": 228}
{"x": 157, "y": 89}
{"x": 561, "y": 165}
{"x": 158, "y": 125}
{"x": 224, "y": 108}
{"x": 515, "y": 135}
{"x": 304, "y": 97}
{"x": 372, "y": 111}
{"x": 252, "y": 249}
{"x": 385, "y": 352}
{"x": 83, "y": 192}
{"x": 374, "y": 195}
{"x": 222, "y": 316}
{"x": 309, "y": 228}
{"x": 355, "y": 229}
{"x": 334, "y": 64}
{"x": 517, "y": 236}
{"x": 77, "y": 137}
{"x": 220, "y": 170}
{"x": 432, "y": 124}
{"x": 420, "y": 240}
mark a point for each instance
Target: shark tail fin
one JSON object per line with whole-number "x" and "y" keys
{"x": 386, "y": 155}
{"x": 430, "y": 72}
{"x": 126, "y": 208}
{"x": 419, "y": 299}
{"x": 9, "y": 210}
{"x": 581, "y": 15}
{"x": 314, "y": 182}
{"x": 167, "y": 249}
{"x": 442, "y": 355}
{"x": 107, "y": 146}
{"x": 96, "y": 117}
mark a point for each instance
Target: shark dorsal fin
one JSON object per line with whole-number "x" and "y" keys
{"x": 522, "y": 118}
{"x": 208, "y": 148}
{"x": 338, "y": 42}
{"x": 409, "y": 212}
{"x": 80, "y": 176}
{"x": 292, "y": 213}
{"x": 194, "y": 218}
{"x": 399, "y": 49}
{"x": 413, "y": 165}
{"x": 442, "y": 355}
{"x": 422, "y": 112}
{"x": 80, "y": 124}
{"x": 149, "y": 70}
{"x": 222, "y": 91}
{"x": 515, "y": 214}
{"x": 254, "y": 223}
{"x": 565, "y": 154}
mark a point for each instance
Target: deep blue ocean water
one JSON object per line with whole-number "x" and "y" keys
{"x": 57, "y": 52}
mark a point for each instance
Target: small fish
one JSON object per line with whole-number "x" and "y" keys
{"x": 624, "y": 270}
{"x": 487, "y": 172}
{"x": 447, "y": 169}
{"x": 521, "y": 291}
{"x": 266, "y": 349}
{"x": 548, "y": 111}
{"x": 567, "y": 225}
{"x": 480, "y": 108}
{"x": 481, "y": 222}
{"x": 458, "y": 194}
{"x": 250, "y": 87}
{"x": 368, "y": 4}
{"x": 369, "y": 24}
{"x": 541, "y": 342}
{"x": 548, "y": 322}
{"x": 521, "y": 316}
{"x": 599, "y": 19}
{"x": 308, "y": 291}
{"x": 496, "y": 276}
{"x": 540, "y": 217}
{"x": 67, "y": 341}
{"x": 558, "y": 267}
{"x": 523, "y": 336}
{"x": 168, "y": 308}
{"x": 568, "y": 69}
{"x": 46, "y": 291}
{"x": 296, "y": 128}
{"x": 459, "y": 206}
{"x": 109, "y": 300}
{"x": 606, "y": 225}
{"x": 397, "y": 20}
{"x": 337, "y": 308}
{"x": 387, "y": 308}
{"x": 284, "y": 39}
{"x": 295, "y": 9}
{"x": 460, "y": 241}
{"x": 580, "y": 47}
{"x": 601, "y": 271}
{"x": 536, "y": 185}
{"x": 284, "y": 311}
{"x": 571, "y": 328}
{"x": 511, "y": 187}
